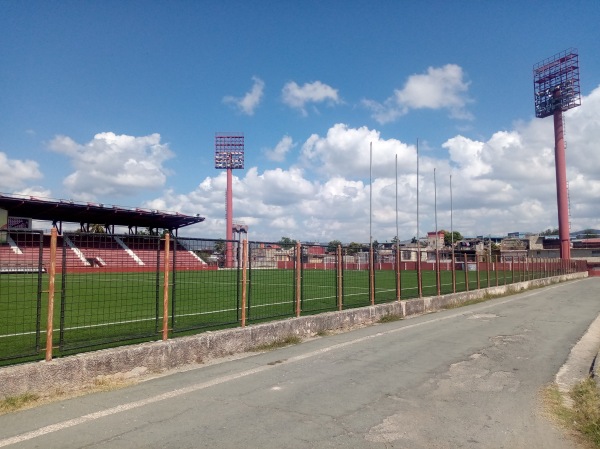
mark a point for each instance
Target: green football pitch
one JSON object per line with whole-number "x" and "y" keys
{"x": 91, "y": 310}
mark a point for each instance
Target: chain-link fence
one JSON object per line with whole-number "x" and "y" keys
{"x": 123, "y": 288}
{"x": 109, "y": 288}
{"x": 22, "y": 276}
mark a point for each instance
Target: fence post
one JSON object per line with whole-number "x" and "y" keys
{"x": 51, "y": 280}
{"x": 453, "y": 257}
{"x": 398, "y": 274}
{"x": 478, "y": 271}
{"x": 371, "y": 275}
{"x": 298, "y": 278}
{"x": 165, "y": 326}
{"x": 340, "y": 279}
{"x": 466, "y": 267}
{"x": 496, "y": 268}
{"x": 419, "y": 273}
{"x": 437, "y": 271}
{"x": 244, "y": 279}
{"x": 488, "y": 260}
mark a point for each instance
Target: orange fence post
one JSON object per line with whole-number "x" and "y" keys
{"x": 244, "y": 280}
{"x": 340, "y": 279}
{"x": 398, "y": 275}
{"x": 371, "y": 276}
{"x": 466, "y": 267}
{"x": 488, "y": 262}
{"x": 496, "y": 268}
{"x": 165, "y": 326}
{"x": 437, "y": 272}
{"x": 478, "y": 273}
{"x": 419, "y": 273}
{"x": 298, "y": 278}
{"x": 51, "y": 280}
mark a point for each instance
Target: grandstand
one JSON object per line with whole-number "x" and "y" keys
{"x": 22, "y": 248}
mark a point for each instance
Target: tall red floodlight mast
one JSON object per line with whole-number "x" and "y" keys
{"x": 556, "y": 89}
{"x": 229, "y": 155}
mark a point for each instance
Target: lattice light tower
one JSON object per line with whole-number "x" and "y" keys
{"x": 556, "y": 89}
{"x": 229, "y": 155}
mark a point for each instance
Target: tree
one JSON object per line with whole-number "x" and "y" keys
{"x": 353, "y": 248}
{"x": 450, "y": 237}
{"x": 286, "y": 242}
{"x": 97, "y": 228}
{"x": 332, "y": 246}
{"x": 219, "y": 247}
{"x": 550, "y": 232}
{"x": 588, "y": 234}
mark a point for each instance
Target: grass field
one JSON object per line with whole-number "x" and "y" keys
{"x": 97, "y": 309}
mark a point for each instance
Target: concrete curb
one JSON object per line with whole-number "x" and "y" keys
{"x": 69, "y": 374}
{"x": 579, "y": 362}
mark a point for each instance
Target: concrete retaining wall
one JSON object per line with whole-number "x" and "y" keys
{"x": 82, "y": 370}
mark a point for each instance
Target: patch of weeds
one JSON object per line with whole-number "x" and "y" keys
{"x": 281, "y": 343}
{"x": 390, "y": 318}
{"x": 324, "y": 333}
{"x": 586, "y": 407}
{"x": 582, "y": 418}
{"x": 14, "y": 403}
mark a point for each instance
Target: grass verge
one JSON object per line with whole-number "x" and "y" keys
{"x": 390, "y": 318}
{"x": 280, "y": 343}
{"x": 582, "y": 418}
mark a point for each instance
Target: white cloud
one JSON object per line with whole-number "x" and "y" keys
{"x": 297, "y": 97}
{"x": 500, "y": 184}
{"x": 249, "y": 102}
{"x": 439, "y": 88}
{"x": 113, "y": 165}
{"x": 15, "y": 173}
{"x": 345, "y": 151}
{"x": 503, "y": 183}
{"x": 278, "y": 153}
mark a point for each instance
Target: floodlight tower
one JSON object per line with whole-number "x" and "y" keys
{"x": 556, "y": 89}
{"x": 229, "y": 155}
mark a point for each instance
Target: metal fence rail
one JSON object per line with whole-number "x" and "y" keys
{"x": 202, "y": 295}
{"x": 21, "y": 275}
{"x": 112, "y": 289}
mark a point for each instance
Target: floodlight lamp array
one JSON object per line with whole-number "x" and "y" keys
{"x": 229, "y": 151}
{"x": 556, "y": 83}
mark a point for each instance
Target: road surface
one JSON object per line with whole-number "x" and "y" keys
{"x": 461, "y": 378}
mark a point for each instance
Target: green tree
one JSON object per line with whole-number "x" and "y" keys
{"x": 97, "y": 228}
{"x": 550, "y": 232}
{"x": 353, "y": 248}
{"x": 219, "y": 247}
{"x": 588, "y": 234}
{"x": 450, "y": 237}
{"x": 332, "y": 246}
{"x": 286, "y": 242}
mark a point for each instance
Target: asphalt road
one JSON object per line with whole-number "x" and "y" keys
{"x": 461, "y": 378}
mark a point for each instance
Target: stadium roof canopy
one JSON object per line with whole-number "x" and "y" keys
{"x": 59, "y": 211}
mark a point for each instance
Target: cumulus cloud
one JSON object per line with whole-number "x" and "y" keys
{"x": 16, "y": 173}
{"x": 439, "y": 88}
{"x": 278, "y": 153}
{"x": 503, "y": 183}
{"x": 113, "y": 165}
{"x": 249, "y": 102}
{"x": 297, "y": 97}
{"x": 346, "y": 151}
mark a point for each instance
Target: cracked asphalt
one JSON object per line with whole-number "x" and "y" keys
{"x": 461, "y": 378}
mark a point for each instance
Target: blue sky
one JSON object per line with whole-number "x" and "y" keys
{"x": 118, "y": 102}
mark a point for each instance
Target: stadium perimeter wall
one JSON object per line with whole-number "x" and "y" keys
{"x": 73, "y": 373}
